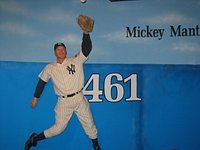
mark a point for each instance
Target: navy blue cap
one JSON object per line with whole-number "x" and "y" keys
{"x": 59, "y": 44}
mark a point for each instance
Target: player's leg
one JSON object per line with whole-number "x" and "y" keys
{"x": 85, "y": 117}
{"x": 63, "y": 115}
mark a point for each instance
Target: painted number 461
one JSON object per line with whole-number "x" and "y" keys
{"x": 96, "y": 92}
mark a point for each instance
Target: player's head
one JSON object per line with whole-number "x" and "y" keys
{"x": 60, "y": 50}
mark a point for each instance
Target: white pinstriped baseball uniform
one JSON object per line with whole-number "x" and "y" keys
{"x": 68, "y": 78}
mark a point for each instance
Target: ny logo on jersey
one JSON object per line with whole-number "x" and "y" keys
{"x": 71, "y": 69}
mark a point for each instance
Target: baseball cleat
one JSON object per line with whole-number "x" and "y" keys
{"x": 30, "y": 142}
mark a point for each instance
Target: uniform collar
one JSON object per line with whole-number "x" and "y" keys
{"x": 63, "y": 63}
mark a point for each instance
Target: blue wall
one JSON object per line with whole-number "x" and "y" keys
{"x": 166, "y": 118}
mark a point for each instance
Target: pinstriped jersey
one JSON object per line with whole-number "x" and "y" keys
{"x": 67, "y": 77}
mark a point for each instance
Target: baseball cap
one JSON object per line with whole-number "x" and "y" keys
{"x": 59, "y": 44}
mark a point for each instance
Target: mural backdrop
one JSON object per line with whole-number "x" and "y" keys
{"x": 142, "y": 78}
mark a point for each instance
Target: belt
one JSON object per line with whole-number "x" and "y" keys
{"x": 73, "y": 94}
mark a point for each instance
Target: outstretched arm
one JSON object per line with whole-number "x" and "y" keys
{"x": 86, "y": 24}
{"x": 38, "y": 91}
{"x": 86, "y": 44}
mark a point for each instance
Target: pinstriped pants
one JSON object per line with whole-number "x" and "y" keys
{"x": 64, "y": 109}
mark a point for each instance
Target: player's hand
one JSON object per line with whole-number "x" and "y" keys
{"x": 34, "y": 102}
{"x": 85, "y": 32}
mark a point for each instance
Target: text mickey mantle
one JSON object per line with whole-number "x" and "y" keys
{"x": 148, "y": 32}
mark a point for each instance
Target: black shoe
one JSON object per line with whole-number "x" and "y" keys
{"x": 96, "y": 147}
{"x": 30, "y": 142}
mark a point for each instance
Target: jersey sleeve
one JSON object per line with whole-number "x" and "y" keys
{"x": 39, "y": 88}
{"x": 45, "y": 74}
{"x": 86, "y": 45}
{"x": 81, "y": 57}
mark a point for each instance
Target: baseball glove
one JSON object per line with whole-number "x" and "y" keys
{"x": 86, "y": 23}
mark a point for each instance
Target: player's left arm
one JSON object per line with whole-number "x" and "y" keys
{"x": 86, "y": 45}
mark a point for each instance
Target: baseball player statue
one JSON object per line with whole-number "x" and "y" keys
{"x": 68, "y": 80}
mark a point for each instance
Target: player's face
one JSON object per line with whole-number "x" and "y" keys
{"x": 60, "y": 52}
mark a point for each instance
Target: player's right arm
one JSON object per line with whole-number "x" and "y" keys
{"x": 38, "y": 91}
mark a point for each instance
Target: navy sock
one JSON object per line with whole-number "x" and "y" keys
{"x": 39, "y": 137}
{"x": 95, "y": 141}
